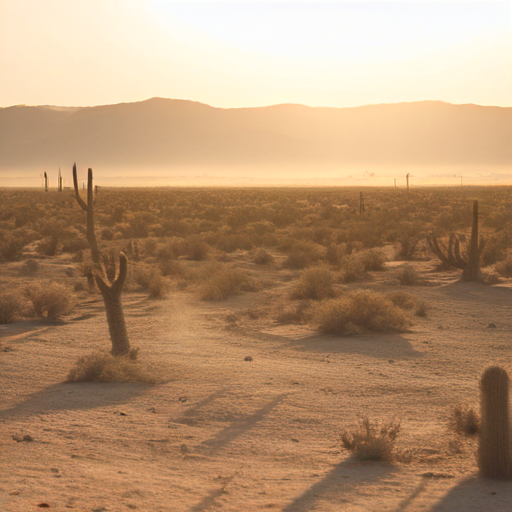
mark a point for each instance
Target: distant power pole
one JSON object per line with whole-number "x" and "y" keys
{"x": 395, "y": 182}
{"x": 407, "y": 178}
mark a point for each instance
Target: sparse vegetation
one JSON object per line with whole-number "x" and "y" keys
{"x": 465, "y": 420}
{"x": 225, "y": 282}
{"x": 359, "y": 311}
{"x": 315, "y": 283}
{"x": 104, "y": 367}
{"x": 49, "y": 299}
{"x": 372, "y": 440}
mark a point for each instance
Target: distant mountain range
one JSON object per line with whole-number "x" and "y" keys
{"x": 177, "y": 133}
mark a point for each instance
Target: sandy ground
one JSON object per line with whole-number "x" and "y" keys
{"x": 228, "y": 434}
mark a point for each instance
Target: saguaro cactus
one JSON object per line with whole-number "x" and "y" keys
{"x": 110, "y": 288}
{"x": 452, "y": 255}
{"x": 494, "y": 459}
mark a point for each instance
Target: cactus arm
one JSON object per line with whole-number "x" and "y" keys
{"x": 119, "y": 281}
{"x": 434, "y": 247}
{"x": 79, "y": 200}
{"x": 460, "y": 261}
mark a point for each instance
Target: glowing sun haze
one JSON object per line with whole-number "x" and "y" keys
{"x": 240, "y": 54}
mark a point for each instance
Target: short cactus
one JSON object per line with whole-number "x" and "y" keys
{"x": 494, "y": 459}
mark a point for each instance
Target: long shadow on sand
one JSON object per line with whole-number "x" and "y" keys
{"x": 82, "y": 396}
{"x": 390, "y": 346}
{"x": 477, "y": 494}
{"x": 347, "y": 475}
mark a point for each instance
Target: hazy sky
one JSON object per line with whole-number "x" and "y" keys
{"x": 233, "y": 54}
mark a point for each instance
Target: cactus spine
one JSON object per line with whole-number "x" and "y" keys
{"x": 452, "y": 257}
{"x": 494, "y": 459}
{"x": 112, "y": 287}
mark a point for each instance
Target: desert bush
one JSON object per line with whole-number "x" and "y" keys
{"x": 158, "y": 288}
{"x": 12, "y": 306}
{"x": 489, "y": 276}
{"x": 143, "y": 275}
{"x": 465, "y": 420}
{"x": 315, "y": 283}
{"x": 302, "y": 255}
{"x": 10, "y": 248}
{"x": 29, "y": 268}
{"x": 334, "y": 254}
{"x": 150, "y": 246}
{"x": 226, "y": 282}
{"x": 504, "y": 268}
{"x": 359, "y": 311}
{"x": 103, "y": 367}
{"x": 49, "y": 300}
{"x": 407, "y": 276}
{"x": 262, "y": 257}
{"x": 372, "y": 440}
{"x": 173, "y": 268}
{"x": 373, "y": 260}
{"x": 294, "y": 314}
{"x": 408, "y": 302}
{"x": 352, "y": 269}
{"x": 197, "y": 249}
{"x": 107, "y": 234}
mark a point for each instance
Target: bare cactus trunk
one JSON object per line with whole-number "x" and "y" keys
{"x": 472, "y": 270}
{"x": 110, "y": 288}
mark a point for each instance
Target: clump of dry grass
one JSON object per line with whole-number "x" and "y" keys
{"x": 49, "y": 300}
{"x": 294, "y": 314}
{"x": 29, "y": 268}
{"x": 359, "y": 311}
{"x": 315, "y": 283}
{"x": 351, "y": 270}
{"x": 303, "y": 254}
{"x": 465, "y": 420}
{"x": 224, "y": 282}
{"x": 372, "y": 440}
{"x": 504, "y": 268}
{"x": 104, "y": 367}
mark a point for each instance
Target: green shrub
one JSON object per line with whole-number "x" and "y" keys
{"x": 359, "y": 311}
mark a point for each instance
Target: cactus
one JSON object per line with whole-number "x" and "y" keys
{"x": 494, "y": 459}
{"x": 60, "y": 181}
{"x": 109, "y": 285}
{"x": 45, "y": 182}
{"x": 452, "y": 257}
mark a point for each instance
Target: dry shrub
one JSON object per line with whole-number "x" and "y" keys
{"x": 373, "y": 260}
{"x": 29, "y": 268}
{"x": 226, "y": 282}
{"x": 352, "y": 269}
{"x": 303, "y": 254}
{"x": 12, "y": 306}
{"x": 158, "y": 288}
{"x": 173, "y": 268}
{"x": 408, "y": 276}
{"x": 358, "y": 311}
{"x": 49, "y": 300}
{"x": 315, "y": 283}
{"x": 372, "y": 440}
{"x": 103, "y": 367}
{"x": 465, "y": 420}
{"x": 489, "y": 277}
{"x": 144, "y": 274}
{"x": 294, "y": 314}
{"x": 504, "y": 268}
{"x": 263, "y": 257}
{"x": 408, "y": 302}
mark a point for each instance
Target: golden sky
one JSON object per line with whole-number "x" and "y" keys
{"x": 242, "y": 54}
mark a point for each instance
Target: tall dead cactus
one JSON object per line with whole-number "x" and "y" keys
{"x": 109, "y": 283}
{"x": 451, "y": 255}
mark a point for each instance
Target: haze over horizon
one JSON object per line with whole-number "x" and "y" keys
{"x": 411, "y": 81}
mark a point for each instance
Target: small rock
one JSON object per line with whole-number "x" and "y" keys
{"x": 26, "y": 438}
{"x": 492, "y": 325}
{"x": 101, "y": 509}
{"x": 294, "y": 440}
{"x": 247, "y": 358}
{"x": 54, "y": 470}
{"x": 184, "y": 449}
{"x": 122, "y": 414}
{"x": 493, "y": 492}
{"x": 43, "y": 505}
{"x": 440, "y": 327}
{"x": 391, "y": 360}
{"x": 437, "y": 476}
{"x": 182, "y": 398}
{"x": 14, "y": 493}
{"x": 152, "y": 409}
